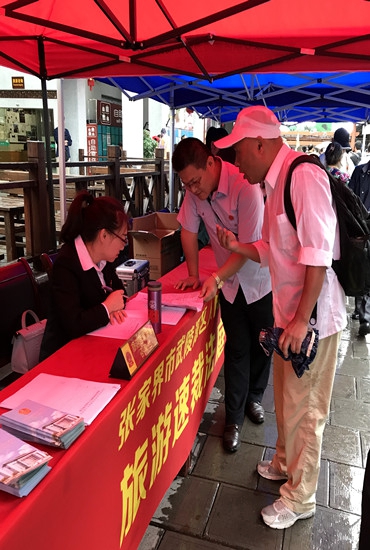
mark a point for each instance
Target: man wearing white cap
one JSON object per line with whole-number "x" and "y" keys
{"x": 302, "y": 277}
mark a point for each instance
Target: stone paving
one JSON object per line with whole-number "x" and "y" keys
{"x": 217, "y": 506}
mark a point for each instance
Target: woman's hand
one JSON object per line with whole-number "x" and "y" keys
{"x": 115, "y": 301}
{"x": 117, "y": 316}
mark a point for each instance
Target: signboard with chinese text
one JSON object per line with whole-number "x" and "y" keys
{"x": 18, "y": 82}
{"x": 92, "y": 143}
{"x": 109, "y": 114}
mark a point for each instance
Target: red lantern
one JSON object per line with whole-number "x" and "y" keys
{"x": 90, "y": 83}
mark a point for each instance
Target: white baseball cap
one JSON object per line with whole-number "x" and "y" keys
{"x": 252, "y": 122}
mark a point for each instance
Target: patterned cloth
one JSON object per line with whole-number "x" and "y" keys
{"x": 339, "y": 175}
{"x": 269, "y": 340}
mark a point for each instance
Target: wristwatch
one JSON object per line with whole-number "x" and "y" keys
{"x": 219, "y": 282}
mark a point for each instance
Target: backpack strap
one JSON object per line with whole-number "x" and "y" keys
{"x": 313, "y": 159}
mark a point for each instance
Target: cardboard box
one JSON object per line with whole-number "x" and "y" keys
{"x": 156, "y": 238}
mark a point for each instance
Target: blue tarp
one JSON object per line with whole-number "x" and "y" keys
{"x": 322, "y": 97}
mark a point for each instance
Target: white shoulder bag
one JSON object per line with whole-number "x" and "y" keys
{"x": 27, "y": 344}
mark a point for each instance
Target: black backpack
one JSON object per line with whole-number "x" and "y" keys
{"x": 353, "y": 268}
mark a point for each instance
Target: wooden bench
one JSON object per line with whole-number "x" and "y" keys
{"x": 19, "y": 235}
{"x": 14, "y": 175}
{"x": 70, "y": 195}
{"x": 11, "y": 224}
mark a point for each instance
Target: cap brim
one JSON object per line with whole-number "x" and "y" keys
{"x": 227, "y": 141}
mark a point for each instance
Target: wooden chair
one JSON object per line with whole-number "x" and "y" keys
{"x": 47, "y": 261}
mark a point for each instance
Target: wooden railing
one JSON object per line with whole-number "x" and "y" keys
{"x": 142, "y": 184}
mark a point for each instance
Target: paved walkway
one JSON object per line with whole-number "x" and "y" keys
{"x": 217, "y": 506}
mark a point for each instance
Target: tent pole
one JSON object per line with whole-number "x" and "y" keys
{"x": 172, "y": 145}
{"x": 363, "y": 138}
{"x": 61, "y": 152}
{"x": 45, "y": 109}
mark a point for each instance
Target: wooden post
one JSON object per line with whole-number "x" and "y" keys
{"x": 36, "y": 204}
{"x": 113, "y": 187}
{"x": 162, "y": 180}
{"x": 81, "y": 158}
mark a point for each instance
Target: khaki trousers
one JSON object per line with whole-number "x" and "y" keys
{"x": 302, "y": 407}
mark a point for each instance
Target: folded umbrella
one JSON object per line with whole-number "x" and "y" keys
{"x": 269, "y": 340}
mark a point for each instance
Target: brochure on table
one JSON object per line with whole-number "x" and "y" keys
{"x": 39, "y": 423}
{"x": 79, "y": 397}
{"x": 22, "y": 466}
{"x": 187, "y": 300}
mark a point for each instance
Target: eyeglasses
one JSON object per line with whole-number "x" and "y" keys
{"x": 123, "y": 239}
{"x": 191, "y": 184}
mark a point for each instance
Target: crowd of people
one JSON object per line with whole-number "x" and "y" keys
{"x": 269, "y": 274}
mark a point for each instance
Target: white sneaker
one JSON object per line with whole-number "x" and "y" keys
{"x": 278, "y": 516}
{"x": 265, "y": 469}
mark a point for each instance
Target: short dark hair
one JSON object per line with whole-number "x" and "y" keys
{"x": 190, "y": 151}
{"x": 213, "y": 134}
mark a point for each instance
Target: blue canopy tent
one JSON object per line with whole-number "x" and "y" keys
{"x": 320, "y": 97}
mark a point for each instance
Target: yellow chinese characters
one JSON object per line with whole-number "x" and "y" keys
{"x": 133, "y": 488}
{"x": 161, "y": 433}
{"x": 181, "y": 412}
{"x": 126, "y": 424}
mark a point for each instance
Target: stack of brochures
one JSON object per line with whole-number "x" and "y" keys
{"x": 22, "y": 466}
{"x": 33, "y": 421}
{"x": 79, "y": 397}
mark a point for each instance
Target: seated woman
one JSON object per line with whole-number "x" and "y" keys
{"x": 333, "y": 157}
{"x": 85, "y": 291}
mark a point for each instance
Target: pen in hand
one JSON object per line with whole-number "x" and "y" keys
{"x": 108, "y": 289}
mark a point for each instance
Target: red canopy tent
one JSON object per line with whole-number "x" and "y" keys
{"x": 209, "y": 38}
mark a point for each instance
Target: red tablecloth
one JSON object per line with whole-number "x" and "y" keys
{"x": 103, "y": 490}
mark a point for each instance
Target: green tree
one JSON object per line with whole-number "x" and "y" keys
{"x": 149, "y": 145}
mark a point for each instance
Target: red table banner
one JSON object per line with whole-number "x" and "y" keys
{"x": 103, "y": 491}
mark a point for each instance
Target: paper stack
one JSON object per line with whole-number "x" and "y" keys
{"x": 33, "y": 421}
{"x": 22, "y": 466}
{"x": 188, "y": 300}
{"x": 79, "y": 397}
